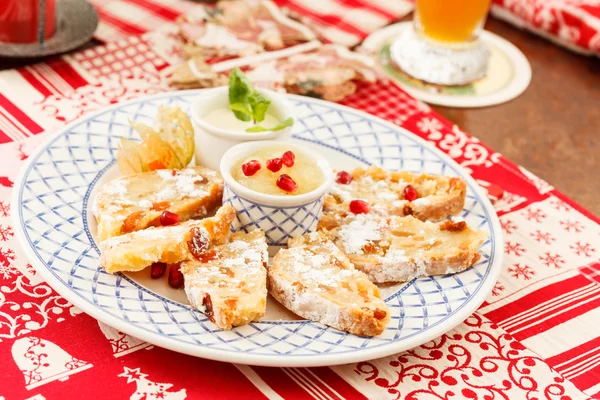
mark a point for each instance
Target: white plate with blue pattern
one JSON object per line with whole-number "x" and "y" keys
{"x": 51, "y": 205}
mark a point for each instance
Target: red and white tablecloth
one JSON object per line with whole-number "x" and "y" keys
{"x": 537, "y": 336}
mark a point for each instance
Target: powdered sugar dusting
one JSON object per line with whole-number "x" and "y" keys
{"x": 235, "y": 280}
{"x": 116, "y": 186}
{"x": 145, "y": 203}
{"x": 361, "y": 230}
{"x": 142, "y": 191}
{"x": 165, "y": 174}
{"x": 309, "y": 280}
{"x": 423, "y": 201}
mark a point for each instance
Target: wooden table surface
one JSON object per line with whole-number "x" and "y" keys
{"x": 553, "y": 129}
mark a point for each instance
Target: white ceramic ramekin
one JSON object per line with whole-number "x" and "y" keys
{"x": 212, "y": 142}
{"x": 280, "y": 217}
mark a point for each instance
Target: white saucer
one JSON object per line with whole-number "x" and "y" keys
{"x": 508, "y": 75}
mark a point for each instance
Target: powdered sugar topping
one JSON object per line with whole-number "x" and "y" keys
{"x": 360, "y": 231}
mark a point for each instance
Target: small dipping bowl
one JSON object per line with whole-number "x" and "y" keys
{"x": 280, "y": 217}
{"x": 211, "y": 142}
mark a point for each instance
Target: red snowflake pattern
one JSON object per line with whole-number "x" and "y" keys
{"x": 4, "y": 209}
{"x": 524, "y": 271}
{"x": 540, "y": 236}
{"x": 508, "y": 226}
{"x": 571, "y": 226}
{"x": 536, "y": 215}
{"x": 7, "y": 272}
{"x": 498, "y": 288}
{"x": 30, "y": 269}
{"x": 560, "y": 205}
{"x": 580, "y": 249}
{"x": 552, "y": 260}
{"x": 22, "y": 154}
{"x": 6, "y": 257}
{"x": 514, "y": 248}
{"x": 6, "y": 232}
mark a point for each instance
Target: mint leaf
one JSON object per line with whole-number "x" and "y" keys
{"x": 241, "y": 111}
{"x": 240, "y": 88}
{"x": 283, "y": 124}
{"x": 259, "y": 105}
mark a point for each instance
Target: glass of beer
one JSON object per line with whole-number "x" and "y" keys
{"x": 443, "y": 46}
{"x": 451, "y": 22}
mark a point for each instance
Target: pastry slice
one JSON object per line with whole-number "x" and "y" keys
{"x": 428, "y": 197}
{"x": 169, "y": 244}
{"x": 147, "y": 199}
{"x": 315, "y": 280}
{"x": 240, "y": 28}
{"x": 398, "y": 249}
{"x": 229, "y": 282}
{"x": 195, "y": 73}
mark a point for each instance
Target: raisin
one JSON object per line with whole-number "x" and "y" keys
{"x": 161, "y": 205}
{"x": 452, "y": 226}
{"x": 207, "y": 303}
{"x": 231, "y": 302}
{"x": 198, "y": 243}
{"x": 130, "y": 223}
{"x": 379, "y": 314}
{"x": 369, "y": 248}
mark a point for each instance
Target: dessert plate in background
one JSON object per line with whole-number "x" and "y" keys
{"x": 51, "y": 210}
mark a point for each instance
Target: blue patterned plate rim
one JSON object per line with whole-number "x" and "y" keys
{"x": 469, "y": 305}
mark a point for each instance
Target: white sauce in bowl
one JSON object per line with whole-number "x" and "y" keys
{"x": 224, "y": 118}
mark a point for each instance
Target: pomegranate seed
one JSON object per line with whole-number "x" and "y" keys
{"x": 288, "y": 158}
{"x": 343, "y": 178}
{"x": 274, "y": 164}
{"x": 175, "y": 276}
{"x": 251, "y": 167}
{"x": 410, "y": 193}
{"x": 359, "y": 207}
{"x": 168, "y": 218}
{"x": 286, "y": 183}
{"x": 157, "y": 270}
